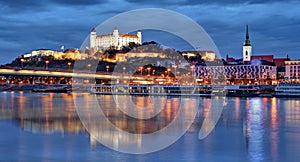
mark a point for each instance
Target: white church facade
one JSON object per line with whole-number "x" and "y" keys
{"x": 115, "y": 39}
{"x": 247, "y": 48}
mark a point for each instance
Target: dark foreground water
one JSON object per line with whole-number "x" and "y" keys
{"x": 46, "y": 127}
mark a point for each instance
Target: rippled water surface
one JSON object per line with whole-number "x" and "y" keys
{"x": 46, "y": 127}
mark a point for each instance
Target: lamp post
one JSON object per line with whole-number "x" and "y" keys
{"x": 141, "y": 70}
{"x": 124, "y": 68}
{"x": 89, "y": 66}
{"x": 175, "y": 68}
{"x": 169, "y": 72}
{"x": 22, "y": 62}
{"x": 192, "y": 69}
{"x": 69, "y": 64}
{"x": 149, "y": 68}
{"x": 47, "y": 62}
{"x": 175, "y": 76}
{"x": 107, "y": 68}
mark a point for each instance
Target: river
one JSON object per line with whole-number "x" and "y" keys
{"x": 48, "y": 127}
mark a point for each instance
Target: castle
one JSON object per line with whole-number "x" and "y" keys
{"x": 115, "y": 39}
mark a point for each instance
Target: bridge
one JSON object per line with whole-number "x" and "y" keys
{"x": 72, "y": 74}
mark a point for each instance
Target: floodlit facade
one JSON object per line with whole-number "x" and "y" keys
{"x": 115, "y": 39}
{"x": 236, "y": 72}
{"x": 38, "y": 53}
{"x": 73, "y": 54}
{"x": 292, "y": 70}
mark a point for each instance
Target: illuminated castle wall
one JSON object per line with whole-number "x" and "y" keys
{"x": 115, "y": 39}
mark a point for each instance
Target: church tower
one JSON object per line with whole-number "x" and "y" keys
{"x": 247, "y": 48}
{"x": 93, "y": 36}
{"x": 116, "y": 37}
{"x": 139, "y": 35}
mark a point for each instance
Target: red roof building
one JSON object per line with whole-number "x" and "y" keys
{"x": 280, "y": 61}
{"x": 268, "y": 58}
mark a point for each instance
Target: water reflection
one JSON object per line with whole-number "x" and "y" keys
{"x": 106, "y": 122}
{"x": 271, "y": 125}
{"x": 41, "y": 113}
{"x": 255, "y": 130}
{"x": 274, "y": 128}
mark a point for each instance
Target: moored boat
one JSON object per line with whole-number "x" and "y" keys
{"x": 157, "y": 90}
{"x": 57, "y": 88}
{"x": 177, "y": 90}
{"x": 238, "y": 90}
{"x": 242, "y": 91}
{"x": 287, "y": 90}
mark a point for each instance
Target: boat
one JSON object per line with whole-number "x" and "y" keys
{"x": 177, "y": 90}
{"x": 57, "y": 88}
{"x": 152, "y": 89}
{"x": 287, "y": 90}
{"x": 238, "y": 91}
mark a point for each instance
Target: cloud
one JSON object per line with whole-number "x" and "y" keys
{"x": 16, "y": 7}
{"x": 203, "y": 2}
{"x": 29, "y": 25}
{"x": 79, "y": 2}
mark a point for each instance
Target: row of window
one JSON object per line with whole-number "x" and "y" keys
{"x": 294, "y": 66}
{"x": 294, "y": 70}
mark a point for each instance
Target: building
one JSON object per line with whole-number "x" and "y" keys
{"x": 255, "y": 73}
{"x": 39, "y": 53}
{"x": 130, "y": 55}
{"x": 73, "y": 54}
{"x": 292, "y": 70}
{"x": 247, "y": 48}
{"x": 205, "y": 55}
{"x": 115, "y": 39}
{"x": 269, "y": 58}
{"x": 248, "y": 70}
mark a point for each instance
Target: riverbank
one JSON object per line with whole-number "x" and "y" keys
{"x": 265, "y": 90}
{"x": 29, "y": 87}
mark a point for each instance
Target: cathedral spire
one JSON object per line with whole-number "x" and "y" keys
{"x": 247, "y": 48}
{"x": 247, "y": 41}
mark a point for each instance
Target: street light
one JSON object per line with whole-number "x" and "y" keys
{"x": 149, "y": 68}
{"x": 47, "y": 62}
{"x": 192, "y": 68}
{"x": 124, "y": 68}
{"x": 168, "y": 72}
{"x": 69, "y": 64}
{"x": 193, "y": 73}
{"x": 22, "y": 61}
{"x": 153, "y": 72}
{"x": 89, "y": 66}
{"x": 175, "y": 67}
{"x": 107, "y": 68}
{"x": 141, "y": 70}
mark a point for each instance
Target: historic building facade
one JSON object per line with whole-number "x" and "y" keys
{"x": 247, "y": 70}
{"x": 292, "y": 70}
{"x": 251, "y": 73}
{"x": 115, "y": 39}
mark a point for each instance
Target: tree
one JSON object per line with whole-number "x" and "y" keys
{"x": 132, "y": 45}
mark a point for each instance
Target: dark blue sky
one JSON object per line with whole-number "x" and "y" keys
{"x": 28, "y": 25}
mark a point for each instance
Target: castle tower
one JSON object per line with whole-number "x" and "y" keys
{"x": 116, "y": 37}
{"x": 93, "y": 36}
{"x": 139, "y": 35}
{"x": 247, "y": 48}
